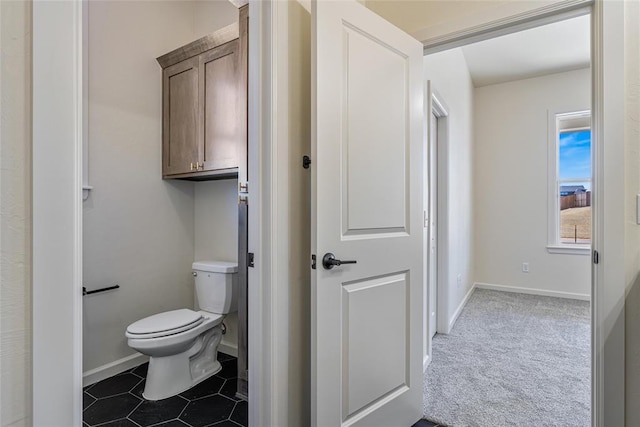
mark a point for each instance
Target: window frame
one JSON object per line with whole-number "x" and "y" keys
{"x": 562, "y": 121}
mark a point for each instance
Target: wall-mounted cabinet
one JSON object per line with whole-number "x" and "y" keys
{"x": 204, "y": 107}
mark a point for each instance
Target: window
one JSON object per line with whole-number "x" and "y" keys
{"x": 570, "y": 182}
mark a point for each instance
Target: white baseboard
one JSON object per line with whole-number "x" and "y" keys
{"x": 455, "y": 316}
{"x": 229, "y": 349}
{"x": 110, "y": 369}
{"x": 533, "y": 291}
{"x": 425, "y": 363}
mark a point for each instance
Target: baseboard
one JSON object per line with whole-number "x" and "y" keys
{"x": 231, "y": 350}
{"x": 533, "y": 291}
{"x": 455, "y": 316}
{"x": 425, "y": 363}
{"x": 110, "y": 369}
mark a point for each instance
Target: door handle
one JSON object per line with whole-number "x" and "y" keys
{"x": 329, "y": 261}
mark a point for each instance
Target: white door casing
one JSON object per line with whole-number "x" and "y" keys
{"x": 432, "y": 255}
{"x": 367, "y": 205}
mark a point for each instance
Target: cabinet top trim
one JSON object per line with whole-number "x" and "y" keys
{"x": 220, "y": 37}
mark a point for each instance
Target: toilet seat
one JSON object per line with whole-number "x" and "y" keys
{"x": 164, "y": 324}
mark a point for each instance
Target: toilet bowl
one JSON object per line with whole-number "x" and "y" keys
{"x": 182, "y": 345}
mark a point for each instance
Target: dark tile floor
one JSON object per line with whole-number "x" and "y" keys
{"x": 118, "y": 402}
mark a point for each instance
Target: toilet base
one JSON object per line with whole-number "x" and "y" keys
{"x": 168, "y": 376}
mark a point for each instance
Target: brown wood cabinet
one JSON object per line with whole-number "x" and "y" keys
{"x": 204, "y": 108}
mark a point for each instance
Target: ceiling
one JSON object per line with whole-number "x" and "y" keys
{"x": 552, "y": 48}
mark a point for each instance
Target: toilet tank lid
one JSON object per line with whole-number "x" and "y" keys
{"x": 216, "y": 266}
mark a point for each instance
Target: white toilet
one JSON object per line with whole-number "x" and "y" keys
{"x": 182, "y": 345}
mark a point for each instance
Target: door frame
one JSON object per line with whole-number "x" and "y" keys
{"x": 435, "y": 105}
{"x": 57, "y": 254}
{"x": 441, "y": 111}
{"x": 607, "y": 302}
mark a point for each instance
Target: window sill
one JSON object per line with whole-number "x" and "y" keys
{"x": 569, "y": 249}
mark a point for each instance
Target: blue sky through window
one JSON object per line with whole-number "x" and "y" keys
{"x": 575, "y": 154}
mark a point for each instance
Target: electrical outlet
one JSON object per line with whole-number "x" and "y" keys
{"x": 525, "y": 267}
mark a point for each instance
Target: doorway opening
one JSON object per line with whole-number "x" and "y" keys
{"x": 508, "y": 280}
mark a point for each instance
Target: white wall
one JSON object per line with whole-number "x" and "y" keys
{"x": 211, "y": 15}
{"x": 450, "y": 78}
{"x": 139, "y": 231}
{"x": 299, "y": 214}
{"x": 632, "y": 230}
{"x": 216, "y": 236}
{"x": 15, "y": 214}
{"x": 510, "y": 183}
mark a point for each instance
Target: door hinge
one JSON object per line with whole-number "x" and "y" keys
{"x": 313, "y": 261}
{"x": 596, "y": 257}
{"x": 250, "y": 259}
{"x": 306, "y": 162}
{"x": 243, "y": 187}
{"x": 243, "y": 200}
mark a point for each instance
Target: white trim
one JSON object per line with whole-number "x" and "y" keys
{"x": 86, "y": 187}
{"x": 458, "y": 311}
{"x": 426, "y": 361}
{"x": 597, "y": 217}
{"x": 435, "y": 105}
{"x": 532, "y": 291}
{"x": 569, "y": 249}
{"x": 554, "y": 12}
{"x": 57, "y": 213}
{"x": 110, "y": 369}
{"x": 268, "y": 213}
{"x": 439, "y": 107}
{"x": 554, "y": 119}
{"x": 608, "y": 237}
{"x": 261, "y": 373}
{"x": 2, "y": 114}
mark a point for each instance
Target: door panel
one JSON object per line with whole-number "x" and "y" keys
{"x": 376, "y": 135}
{"x": 363, "y": 328}
{"x": 180, "y": 111}
{"x": 367, "y": 205}
{"x": 220, "y": 106}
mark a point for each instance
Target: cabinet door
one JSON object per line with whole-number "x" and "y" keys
{"x": 219, "y": 107}
{"x": 180, "y": 117}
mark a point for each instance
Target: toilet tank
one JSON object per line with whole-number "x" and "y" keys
{"x": 216, "y": 286}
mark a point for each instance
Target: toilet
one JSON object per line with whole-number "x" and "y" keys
{"x": 182, "y": 345}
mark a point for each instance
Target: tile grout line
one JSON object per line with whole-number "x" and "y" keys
{"x": 182, "y": 412}
{"x": 131, "y": 412}
{"x": 89, "y": 406}
{"x": 139, "y": 425}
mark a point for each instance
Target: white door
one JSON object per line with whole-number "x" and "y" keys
{"x": 432, "y": 270}
{"x": 367, "y": 206}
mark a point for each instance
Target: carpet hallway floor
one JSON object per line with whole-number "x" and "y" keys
{"x": 512, "y": 360}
